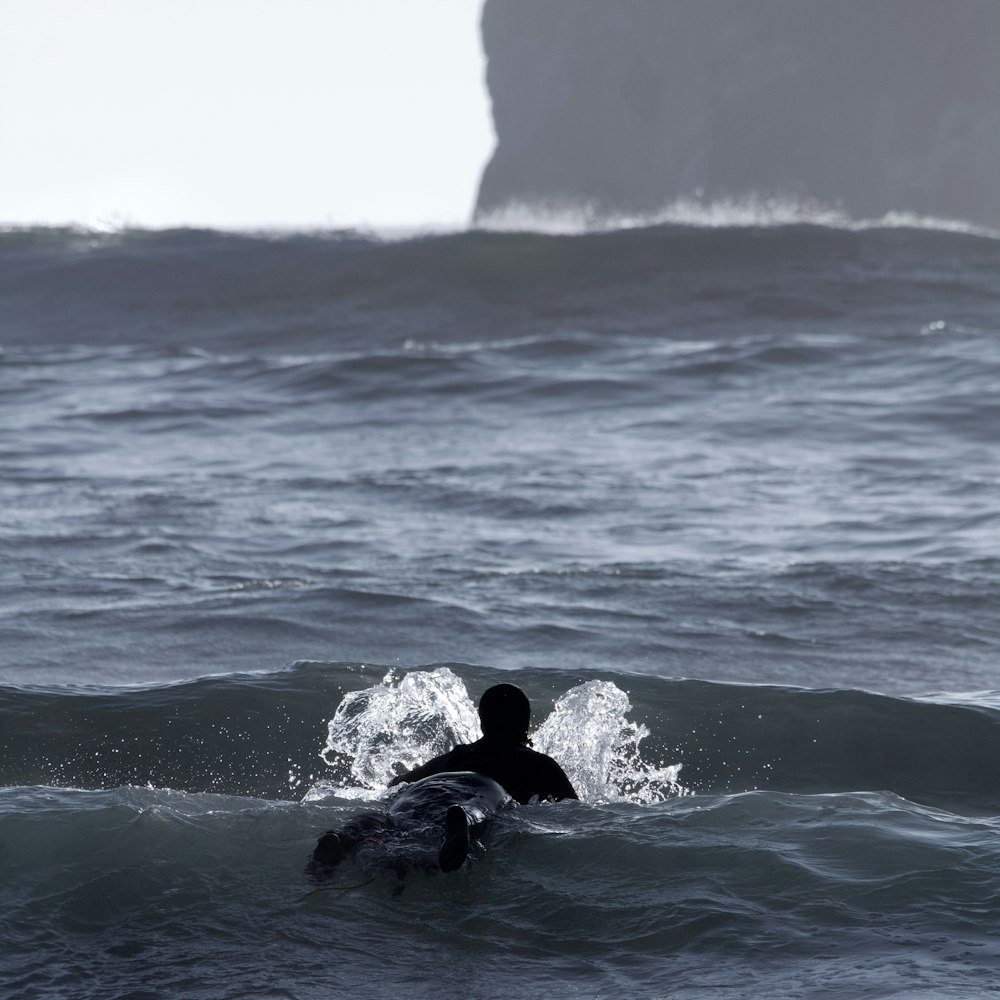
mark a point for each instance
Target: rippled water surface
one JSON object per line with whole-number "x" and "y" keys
{"x": 722, "y": 498}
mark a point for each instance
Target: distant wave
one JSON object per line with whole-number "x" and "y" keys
{"x": 205, "y": 288}
{"x": 553, "y": 219}
{"x": 752, "y": 212}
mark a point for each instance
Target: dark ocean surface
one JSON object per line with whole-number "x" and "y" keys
{"x": 276, "y": 508}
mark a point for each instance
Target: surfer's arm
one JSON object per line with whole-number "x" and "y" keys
{"x": 436, "y": 765}
{"x": 562, "y": 787}
{"x": 550, "y": 780}
{"x": 415, "y": 775}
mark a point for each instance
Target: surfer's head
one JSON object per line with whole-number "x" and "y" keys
{"x": 505, "y": 713}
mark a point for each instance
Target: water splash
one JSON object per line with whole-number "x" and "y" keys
{"x": 384, "y": 730}
{"x": 598, "y": 747}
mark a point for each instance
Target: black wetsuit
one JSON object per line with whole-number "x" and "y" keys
{"x": 524, "y": 773}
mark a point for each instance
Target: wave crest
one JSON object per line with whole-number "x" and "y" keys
{"x": 746, "y": 212}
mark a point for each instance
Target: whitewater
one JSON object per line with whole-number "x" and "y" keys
{"x": 720, "y": 492}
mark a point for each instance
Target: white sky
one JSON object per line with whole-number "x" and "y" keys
{"x": 241, "y": 113}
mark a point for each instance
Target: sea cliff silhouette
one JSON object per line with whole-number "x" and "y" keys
{"x": 869, "y": 106}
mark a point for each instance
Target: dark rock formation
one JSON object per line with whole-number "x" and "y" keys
{"x": 871, "y": 106}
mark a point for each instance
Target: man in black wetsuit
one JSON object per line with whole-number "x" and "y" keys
{"x": 501, "y": 758}
{"x": 503, "y": 753}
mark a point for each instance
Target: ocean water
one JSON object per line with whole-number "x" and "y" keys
{"x": 721, "y": 493}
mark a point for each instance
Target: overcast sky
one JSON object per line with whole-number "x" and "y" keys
{"x": 241, "y": 113}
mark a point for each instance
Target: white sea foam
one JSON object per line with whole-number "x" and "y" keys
{"x": 751, "y": 211}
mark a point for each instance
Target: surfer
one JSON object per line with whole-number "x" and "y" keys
{"x": 465, "y": 786}
{"x": 504, "y": 753}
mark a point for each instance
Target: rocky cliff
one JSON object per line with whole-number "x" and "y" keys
{"x": 871, "y": 106}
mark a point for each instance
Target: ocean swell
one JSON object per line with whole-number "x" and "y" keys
{"x": 274, "y": 291}
{"x": 124, "y": 884}
{"x": 346, "y": 729}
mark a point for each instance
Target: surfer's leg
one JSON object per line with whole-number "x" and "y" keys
{"x": 329, "y": 849}
{"x": 463, "y": 802}
{"x": 455, "y": 848}
{"x": 335, "y": 845}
